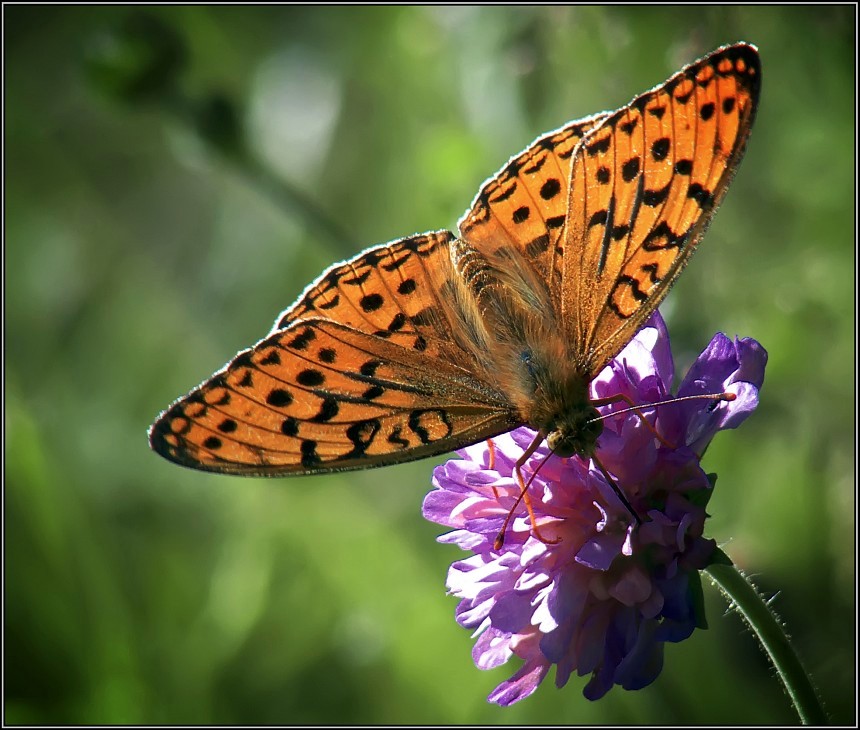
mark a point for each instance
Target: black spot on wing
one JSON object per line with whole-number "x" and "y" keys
{"x": 371, "y": 302}
{"x": 607, "y": 234}
{"x": 368, "y": 368}
{"x": 600, "y": 147}
{"x": 684, "y": 98}
{"x": 504, "y": 195}
{"x": 213, "y": 443}
{"x": 374, "y": 391}
{"x": 521, "y": 214}
{"x": 628, "y": 126}
{"x": 630, "y": 169}
{"x": 279, "y": 398}
{"x": 598, "y": 218}
{"x": 290, "y": 426}
{"x": 327, "y": 355}
{"x": 550, "y": 189}
{"x": 653, "y": 198}
{"x": 660, "y": 149}
{"x": 684, "y": 167}
{"x": 330, "y": 304}
{"x": 537, "y": 246}
{"x": 228, "y": 425}
{"x": 701, "y": 195}
{"x": 358, "y": 279}
{"x": 619, "y": 232}
{"x": 302, "y": 340}
{"x": 662, "y": 237}
{"x": 310, "y": 458}
{"x": 329, "y": 408}
{"x": 397, "y": 322}
{"x": 310, "y": 378}
{"x": 396, "y": 438}
{"x": 423, "y": 422}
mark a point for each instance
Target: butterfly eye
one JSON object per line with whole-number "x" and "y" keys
{"x": 561, "y": 444}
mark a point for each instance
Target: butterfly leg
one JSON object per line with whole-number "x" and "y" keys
{"x": 491, "y": 448}
{"x": 617, "y": 490}
{"x": 524, "y": 497}
{"x": 491, "y": 462}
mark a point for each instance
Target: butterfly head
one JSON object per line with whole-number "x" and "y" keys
{"x": 576, "y": 432}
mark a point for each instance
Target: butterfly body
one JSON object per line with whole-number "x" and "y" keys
{"x": 437, "y": 341}
{"x": 529, "y": 359}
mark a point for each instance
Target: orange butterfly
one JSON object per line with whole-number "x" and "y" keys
{"x": 435, "y": 342}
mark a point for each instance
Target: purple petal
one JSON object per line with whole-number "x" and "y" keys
{"x": 643, "y": 662}
{"x": 599, "y": 552}
{"x": 521, "y": 685}
{"x": 753, "y": 359}
{"x": 511, "y": 612}
{"x": 492, "y": 649}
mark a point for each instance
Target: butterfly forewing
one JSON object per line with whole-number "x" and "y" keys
{"x": 644, "y": 186}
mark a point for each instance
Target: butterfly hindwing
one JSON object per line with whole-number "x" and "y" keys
{"x": 523, "y": 207}
{"x": 645, "y": 183}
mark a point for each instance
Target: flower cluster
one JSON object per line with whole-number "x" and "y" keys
{"x": 602, "y": 594}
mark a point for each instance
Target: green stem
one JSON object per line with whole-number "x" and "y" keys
{"x": 770, "y": 632}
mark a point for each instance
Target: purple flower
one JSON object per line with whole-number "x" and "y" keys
{"x": 606, "y": 596}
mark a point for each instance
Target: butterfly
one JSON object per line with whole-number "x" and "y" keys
{"x": 438, "y": 341}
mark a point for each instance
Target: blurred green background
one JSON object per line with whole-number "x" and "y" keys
{"x": 138, "y": 261}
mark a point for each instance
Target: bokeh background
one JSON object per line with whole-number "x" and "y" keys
{"x": 141, "y": 254}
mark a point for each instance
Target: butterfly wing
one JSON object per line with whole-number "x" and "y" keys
{"x": 522, "y": 208}
{"x": 362, "y": 371}
{"x": 645, "y": 183}
{"x": 390, "y": 290}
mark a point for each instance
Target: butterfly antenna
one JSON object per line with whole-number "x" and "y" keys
{"x": 617, "y": 490}
{"x": 637, "y": 409}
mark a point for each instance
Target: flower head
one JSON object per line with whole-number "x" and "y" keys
{"x": 603, "y": 594}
